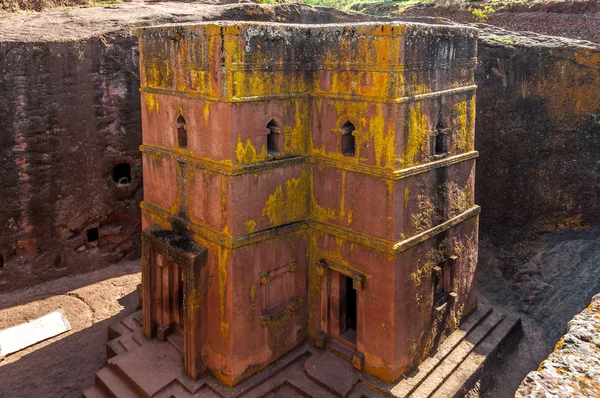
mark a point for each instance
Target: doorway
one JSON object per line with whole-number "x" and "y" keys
{"x": 348, "y": 319}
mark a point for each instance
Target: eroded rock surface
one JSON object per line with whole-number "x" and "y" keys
{"x": 573, "y": 369}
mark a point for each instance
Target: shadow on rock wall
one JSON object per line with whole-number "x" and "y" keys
{"x": 538, "y": 134}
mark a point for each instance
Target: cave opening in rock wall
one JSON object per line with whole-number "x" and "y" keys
{"x": 93, "y": 235}
{"x": 121, "y": 173}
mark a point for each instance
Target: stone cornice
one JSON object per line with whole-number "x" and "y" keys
{"x": 370, "y": 242}
{"x": 310, "y": 94}
{"x": 317, "y": 159}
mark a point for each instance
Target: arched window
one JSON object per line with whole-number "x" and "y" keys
{"x": 441, "y": 139}
{"x": 348, "y": 139}
{"x": 274, "y": 138}
{"x": 181, "y": 132}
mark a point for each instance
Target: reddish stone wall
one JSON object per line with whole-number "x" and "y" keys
{"x": 69, "y": 113}
{"x": 281, "y": 226}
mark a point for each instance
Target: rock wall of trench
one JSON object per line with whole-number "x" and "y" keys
{"x": 538, "y": 134}
{"x": 69, "y": 114}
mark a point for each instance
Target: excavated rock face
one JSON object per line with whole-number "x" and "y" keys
{"x": 573, "y": 369}
{"x": 71, "y": 179}
{"x": 538, "y": 133}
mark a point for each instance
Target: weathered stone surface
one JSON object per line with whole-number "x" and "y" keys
{"x": 245, "y": 127}
{"x": 538, "y": 133}
{"x": 573, "y": 369}
{"x": 548, "y": 181}
{"x": 578, "y": 19}
{"x": 69, "y": 114}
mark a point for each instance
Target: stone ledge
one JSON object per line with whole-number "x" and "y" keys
{"x": 573, "y": 369}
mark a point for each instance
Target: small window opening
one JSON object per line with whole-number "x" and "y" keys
{"x": 1, "y": 262}
{"x": 442, "y": 282}
{"x": 121, "y": 174}
{"x": 348, "y": 139}
{"x": 274, "y": 138}
{"x": 441, "y": 147}
{"x": 348, "y": 330}
{"x": 181, "y": 132}
{"x": 93, "y": 234}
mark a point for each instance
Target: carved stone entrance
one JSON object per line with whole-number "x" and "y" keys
{"x": 173, "y": 272}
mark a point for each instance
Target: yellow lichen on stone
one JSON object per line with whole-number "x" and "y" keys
{"x": 423, "y": 271}
{"x": 296, "y": 137}
{"x": 253, "y": 296}
{"x": 151, "y": 102}
{"x": 350, "y": 217}
{"x": 222, "y": 255}
{"x": 206, "y": 112}
{"x": 384, "y": 143}
{"x": 250, "y": 226}
{"x": 289, "y": 201}
{"x": 570, "y": 93}
{"x": 415, "y": 135}
{"x": 224, "y": 329}
{"x": 423, "y": 220}
{"x": 273, "y": 209}
{"x": 246, "y": 153}
{"x": 464, "y": 112}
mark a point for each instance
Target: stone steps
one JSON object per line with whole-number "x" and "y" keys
{"x": 306, "y": 371}
{"x": 124, "y": 335}
{"x": 331, "y": 373}
{"x": 411, "y": 381}
{"x": 443, "y": 371}
{"x": 176, "y": 340}
{"x": 457, "y": 363}
{"x": 95, "y": 392}
{"x": 112, "y": 383}
{"x": 467, "y": 374}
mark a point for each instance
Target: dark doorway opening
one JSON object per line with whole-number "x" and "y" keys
{"x": 1, "y": 262}
{"x": 93, "y": 234}
{"x": 441, "y": 144}
{"x": 121, "y": 173}
{"x": 349, "y": 303}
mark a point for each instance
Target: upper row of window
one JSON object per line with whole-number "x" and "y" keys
{"x": 348, "y": 141}
{"x": 275, "y": 139}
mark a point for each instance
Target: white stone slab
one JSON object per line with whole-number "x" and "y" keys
{"x": 26, "y": 334}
